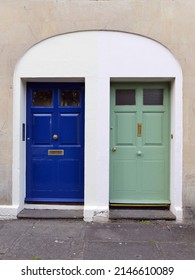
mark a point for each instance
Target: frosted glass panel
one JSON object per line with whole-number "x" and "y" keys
{"x": 153, "y": 97}
{"x": 125, "y": 97}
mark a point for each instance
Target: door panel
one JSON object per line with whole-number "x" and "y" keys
{"x": 43, "y": 174}
{"x": 139, "y": 139}
{"x": 69, "y": 129}
{"x": 55, "y": 142}
{"x": 125, "y": 127}
{"x": 123, "y": 170}
{"x": 42, "y": 128}
{"x": 153, "y": 172}
{"x": 73, "y": 169}
{"x": 152, "y": 128}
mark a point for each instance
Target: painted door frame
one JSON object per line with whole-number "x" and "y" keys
{"x": 150, "y": 60}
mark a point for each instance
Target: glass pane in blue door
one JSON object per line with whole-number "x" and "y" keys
{"x": 69, "y": 98}
{"x": 42, "y": 98}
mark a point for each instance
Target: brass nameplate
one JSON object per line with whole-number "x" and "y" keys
{"x": 55, "y": 152}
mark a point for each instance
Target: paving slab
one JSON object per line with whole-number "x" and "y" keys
{"x": 178, "y": 251}
{"x": 62, "y": 229}
{"x": 75, "y": 239}
{"x": 137, "y": 231}
{"x": 77, "y": 252}
{"x": 11, "y": 231}
{"x": 121, "y": 250}
{"x": 182, "y": 232}
{"x": 36, "y": 247}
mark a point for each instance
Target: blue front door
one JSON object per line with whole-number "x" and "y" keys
{"x": 55, "y": 142}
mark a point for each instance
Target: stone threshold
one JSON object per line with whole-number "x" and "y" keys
{"x": 50, "y": 214}
{"x": 114, "y": 214}
{"x": 141, "y": 214}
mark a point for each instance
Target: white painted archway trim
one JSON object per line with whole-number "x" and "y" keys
{"x": 97, "y": 57}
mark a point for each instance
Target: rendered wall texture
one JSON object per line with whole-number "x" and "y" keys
{"x": 24, "y": 23}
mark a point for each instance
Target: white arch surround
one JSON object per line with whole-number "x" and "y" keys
{"x": 97, "y": 57}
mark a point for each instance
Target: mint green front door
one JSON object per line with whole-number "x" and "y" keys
{"x": 139, "y": 143}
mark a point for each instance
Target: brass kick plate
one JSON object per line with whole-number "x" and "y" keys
{"x": 55, "y": 152}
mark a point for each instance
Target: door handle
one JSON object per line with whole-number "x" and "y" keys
{"x": 114, "y": 149}
{"x": 55, "y": 137}
{"x": 139, "y": 153}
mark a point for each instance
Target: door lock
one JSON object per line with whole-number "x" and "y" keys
{"x": 55, "y": 137}
{"x": 114, "y": 149}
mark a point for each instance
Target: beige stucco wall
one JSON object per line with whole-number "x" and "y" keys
{"x": 24, "y": 23}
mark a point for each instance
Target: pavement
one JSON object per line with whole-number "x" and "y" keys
{"x": 74, "y": 239}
